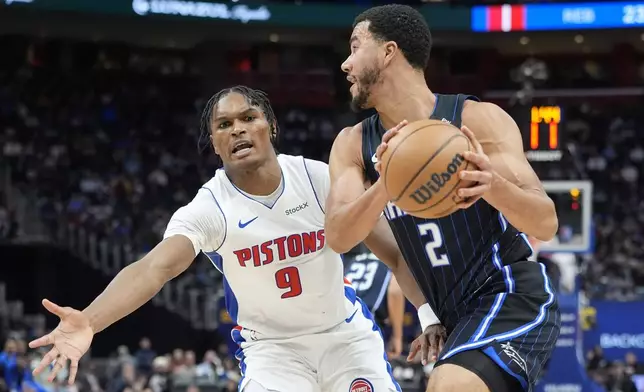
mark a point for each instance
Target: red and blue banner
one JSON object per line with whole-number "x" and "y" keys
{"x": 563, "y": 16}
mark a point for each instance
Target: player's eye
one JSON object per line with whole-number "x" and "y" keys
{"x": 224, "y": 124}
{"x": 249, "y": 118}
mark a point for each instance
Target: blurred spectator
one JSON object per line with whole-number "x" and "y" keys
{"x": 210, "y": 368}
{"x": 633, "y": 366}
{"x": 145, "y": 356}
{"x": 186, "y": 373}
{"x": 618, "y": 380}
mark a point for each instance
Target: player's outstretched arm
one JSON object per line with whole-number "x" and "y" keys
{"x": 506, "y": 179}
{"x": 351, "y": 212}
{"x": 137, "y": 283}
{"x": 192, "y": 227}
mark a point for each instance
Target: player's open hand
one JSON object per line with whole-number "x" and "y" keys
{"x": 430, "y": 343}
{"x": 383, "y": 144}
{"x": 71, "y": 339}
{"x": 481, "y": 177}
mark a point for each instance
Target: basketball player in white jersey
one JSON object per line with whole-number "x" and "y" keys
{"x": 260, "y": 219}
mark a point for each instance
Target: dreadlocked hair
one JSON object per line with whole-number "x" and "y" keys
{"x": 254, "y": 97}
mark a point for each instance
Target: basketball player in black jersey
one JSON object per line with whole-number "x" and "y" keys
{"x": 498, "y": 308}
{"x": 379, "y": 290}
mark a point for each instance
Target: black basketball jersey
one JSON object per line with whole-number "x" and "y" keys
{"x": 458, "y": 257}
{"x": 370, "y": 278}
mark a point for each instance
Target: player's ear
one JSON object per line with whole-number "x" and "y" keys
{"x": 212, "y": 143}
{"x": 273, "y": 131}
{"x": 391, "y": 50}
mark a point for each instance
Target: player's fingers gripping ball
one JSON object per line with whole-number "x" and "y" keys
{"x": 421, "y": 167}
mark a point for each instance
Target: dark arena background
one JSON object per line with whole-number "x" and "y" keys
{"x": 100, "y": 106}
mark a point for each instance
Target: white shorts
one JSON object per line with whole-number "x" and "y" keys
{"x": 349, "y": 357}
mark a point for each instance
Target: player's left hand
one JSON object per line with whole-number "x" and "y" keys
{"x": 481, "y": 177}
{"x": 395, "y": 347}
{"x": 430, "y": 343}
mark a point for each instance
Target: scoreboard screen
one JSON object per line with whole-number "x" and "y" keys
{"x": 573, "y": 202}
{"x": 542, "y": 133}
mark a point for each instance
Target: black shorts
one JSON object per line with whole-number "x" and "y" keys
{"x": 516, "y": 329}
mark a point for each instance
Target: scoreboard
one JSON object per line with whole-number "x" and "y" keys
{"x": 574, "y": 204}
{"x": 542, "y": 133}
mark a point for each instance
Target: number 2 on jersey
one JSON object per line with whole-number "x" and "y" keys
{"x": 433, "y": 244}
{"x": 289, "y": 279}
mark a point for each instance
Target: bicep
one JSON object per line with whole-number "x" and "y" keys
{"x": 171, "y": 256}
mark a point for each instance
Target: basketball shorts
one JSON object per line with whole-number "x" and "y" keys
{"x": 515, "y": 328}
{"x": 348, "y": 357}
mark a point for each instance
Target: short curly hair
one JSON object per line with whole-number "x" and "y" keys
{"x": 403, "y": 25}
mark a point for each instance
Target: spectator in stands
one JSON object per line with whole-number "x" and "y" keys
{"x": 160, "y": 370}
{"x": 126, "y": 379}
{"x": 595, "y": 359}
{"x": 210, "y": 368}
{"x": 186, "y": 373}
{"x": 87, "y": 379}
{"x": 618, "y": 380}
{"x": 144, "y": 356}
{"x": 632, "y": 365}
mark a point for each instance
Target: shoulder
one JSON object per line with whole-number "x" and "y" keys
{"x": 202, "y": 220}
{"x": 205, "y": 203}
{"x": 316, "y": 168}
{"x": 474, "y": 111}
{"x": 347, "y": 147}
{"x": 486, "y": 119}
{"x": 353, "y": 133}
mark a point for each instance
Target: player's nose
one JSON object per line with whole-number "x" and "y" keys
{"x": 238, "y": 129}
{"x": 345, "y": 66}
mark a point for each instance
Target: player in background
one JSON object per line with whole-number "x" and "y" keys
{"x": 379, "y": 290}
{"x": 260, "y": 219}
{"x": 499, "y": 309}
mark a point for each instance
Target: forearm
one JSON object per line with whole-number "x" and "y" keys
{"x": 396, "y": 310}
{"x": 531, "y": 212}
{"x": 129, "y": 290}
{"x": 351, "y": 222}
{"x": 408, "y": 284}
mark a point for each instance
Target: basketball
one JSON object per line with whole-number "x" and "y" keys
{"x": 420, "y": 168}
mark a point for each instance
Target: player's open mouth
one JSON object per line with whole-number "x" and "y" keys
{"x": 242, "y": 148}
{"x": 352, "y": 81}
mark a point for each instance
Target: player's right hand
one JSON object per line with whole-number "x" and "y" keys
{"x": 385, "y": 139}
{"x": 430, "y": 343}
{"x": 71, "y": 339}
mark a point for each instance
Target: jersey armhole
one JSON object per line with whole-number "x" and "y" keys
{"x": 368, "y": 154}
{"x": 315, "y": 192}
{"x": 225, "y": 221}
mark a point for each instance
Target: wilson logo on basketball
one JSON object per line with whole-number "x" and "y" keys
{"x": 437, "y": 181}
{"x": 361, "y": 385}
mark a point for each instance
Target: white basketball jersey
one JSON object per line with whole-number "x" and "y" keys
{"x": 280, "y": 278}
